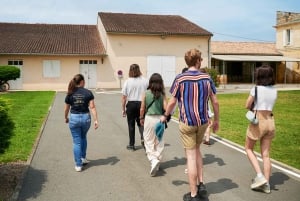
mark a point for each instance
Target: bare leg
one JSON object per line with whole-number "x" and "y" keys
{"x": 199, "y": 164}
{"x": 207, "y": 133}
{"x": 249, "y": 145}
{"x": 192, "y": 170}
{"x": 265, "y": 145}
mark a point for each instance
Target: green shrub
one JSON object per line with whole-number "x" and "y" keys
{"x": 6, "y": 126}
{"x": 213, "y": 74}
{"x": 9, "y": 73}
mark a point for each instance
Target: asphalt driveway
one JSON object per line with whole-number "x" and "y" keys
{"x": 115, "y": 173}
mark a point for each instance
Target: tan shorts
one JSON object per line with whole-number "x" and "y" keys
{"x": 191, "y": 136}
{"x": 264, "y": 129}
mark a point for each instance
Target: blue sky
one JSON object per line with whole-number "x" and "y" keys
{"x": 228, "y": 20}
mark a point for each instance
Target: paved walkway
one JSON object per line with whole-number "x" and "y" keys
{"x": 115, "y": 173}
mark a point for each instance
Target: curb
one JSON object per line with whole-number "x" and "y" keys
{"x": 277, "y": 164}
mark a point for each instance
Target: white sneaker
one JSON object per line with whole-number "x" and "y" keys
{"x": 264, "y": 188}
{"x": 154, "y": 167}
{"x": 258, "y": 181}
{"x": 78, "y": 169}
{"x": 84, "y": 161}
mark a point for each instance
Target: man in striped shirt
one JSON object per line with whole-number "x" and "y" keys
{"x": 192, "y": 89}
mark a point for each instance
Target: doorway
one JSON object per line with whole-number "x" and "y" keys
{"x": 88, "y": 68}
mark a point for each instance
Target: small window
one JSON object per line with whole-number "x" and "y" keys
{"x": 88, "y": 62}
{"x": 288, "y": 37}
{"x": 15, "y": 62}
{"x": 51, "y": 68}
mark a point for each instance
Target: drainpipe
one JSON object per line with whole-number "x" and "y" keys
{"x": 208, "y": 53}
{"x": 284, "y": 72}
{"x": 224, "y": 74}
{"x": 253, "y": 70}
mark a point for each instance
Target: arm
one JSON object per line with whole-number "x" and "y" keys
{"x": 142, "y": 110}
{"x": 67, "y": 109}
{"x": 166, "y": 103}
{"x": 124, "y": 100}
{"x": 215, "y": 105}
{"x": 169, "y": 108}
{"x": 249, "y": 102}
{"x": 94, "y": 113}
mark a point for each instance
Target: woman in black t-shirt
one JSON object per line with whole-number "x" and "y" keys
{"x": 79, "y": 102}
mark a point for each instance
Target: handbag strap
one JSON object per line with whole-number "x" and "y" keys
{"x": 150, "y": 104}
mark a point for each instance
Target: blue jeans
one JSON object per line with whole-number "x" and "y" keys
{"x": 79, "y": 125}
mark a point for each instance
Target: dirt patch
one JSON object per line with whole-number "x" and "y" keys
{"x": 10, "y": 176}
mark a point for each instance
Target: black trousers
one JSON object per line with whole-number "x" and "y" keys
{"x": 133, "y": 114}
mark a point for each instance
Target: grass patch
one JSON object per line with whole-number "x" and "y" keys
{"x": 28, "y": 111}
{"x": 286, "y": 144}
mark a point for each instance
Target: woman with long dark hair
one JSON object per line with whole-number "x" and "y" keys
{"x": 154, "y": 102}
{"x": 79, "y": 102}
{"x": 264, "y": 131}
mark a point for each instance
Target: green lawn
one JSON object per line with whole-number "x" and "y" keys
{"x": 28, "y": 111}
{"x": 286, "y": 144}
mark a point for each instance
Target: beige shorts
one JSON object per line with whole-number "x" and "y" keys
{"x": 191, "y": 136}
{"x": 264, "y": 129}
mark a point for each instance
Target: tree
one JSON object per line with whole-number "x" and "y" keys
{"x": 9, "y": 73}
{"x": 213, "y": 74}
{"x": 6, "y": 126}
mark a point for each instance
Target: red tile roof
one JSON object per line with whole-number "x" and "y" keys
{"x": 50, "y": 39}
{"x": 244, "y": 48}
{"x": 123, "y": 23}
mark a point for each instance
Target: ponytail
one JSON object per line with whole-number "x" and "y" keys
{"x": 74, "y": 83}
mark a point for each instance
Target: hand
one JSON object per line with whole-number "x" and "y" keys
{"x": 66, "y": 120}
{"x": 123, "y": 113}
{"x": 215, "y": 126}
{"x": 96, "y": 125}
{"x": 142, "y": 121}
{"x": 163, "y": 118}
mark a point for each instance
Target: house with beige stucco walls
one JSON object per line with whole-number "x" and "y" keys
{"x": 288, "y": 43}
{"x": 156, "y": 42}
{"x": 49, "y": 55}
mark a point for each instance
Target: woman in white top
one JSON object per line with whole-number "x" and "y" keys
{"x": 264, "y": 131}
{"x": 132, "y": 91}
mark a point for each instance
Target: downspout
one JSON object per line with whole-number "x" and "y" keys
{"x": 208, "y": 53}
{"x": 284, "y": 72}
{"x": 224, "y": 75}
{"x": 253, "y": 70}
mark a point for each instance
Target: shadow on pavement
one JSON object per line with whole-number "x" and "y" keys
{"x": 210, "y": 158}
{"x": 33, "y": 187}
{"x": 220, "y": 186}
{"x": 278, "y": 178}
{"x": 107, "y": 161}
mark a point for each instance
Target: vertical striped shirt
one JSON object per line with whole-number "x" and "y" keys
{"x": 192, "y": 90}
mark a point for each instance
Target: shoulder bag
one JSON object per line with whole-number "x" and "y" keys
{"x": 250, "y": 115}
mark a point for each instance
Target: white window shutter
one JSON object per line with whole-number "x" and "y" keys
{"x": 284, "y": 38}
{"x": 291, "y": 36}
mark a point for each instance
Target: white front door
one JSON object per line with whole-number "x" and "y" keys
{"x": 164, "y": 65}
{"x": 89, "y": 71}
